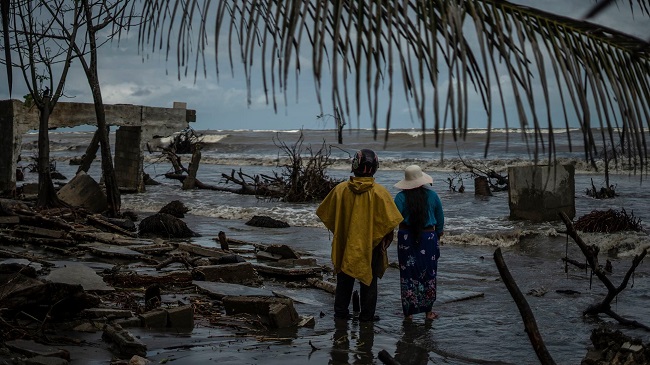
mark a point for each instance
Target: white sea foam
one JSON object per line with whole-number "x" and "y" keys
{"x": 621, "y": 244}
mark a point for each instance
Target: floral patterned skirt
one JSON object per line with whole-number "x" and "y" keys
{"x": 418, "y": 266}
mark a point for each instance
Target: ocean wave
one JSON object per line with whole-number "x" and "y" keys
{"x": 449, "y": 165}
{"x": 619, "y": 244}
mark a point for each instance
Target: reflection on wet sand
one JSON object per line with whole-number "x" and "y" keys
{"x": 361, "y": 334}
{"x": 411, "y": 349}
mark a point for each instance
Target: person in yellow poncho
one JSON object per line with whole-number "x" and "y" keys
{"x": 362, "y": 216}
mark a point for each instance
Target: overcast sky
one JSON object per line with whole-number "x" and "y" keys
{"x": 222, "y": 104}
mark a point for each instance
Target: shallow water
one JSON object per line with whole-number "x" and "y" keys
{"x": 486, "y": 329}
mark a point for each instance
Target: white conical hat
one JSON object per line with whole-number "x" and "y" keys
{"x": 413, "y": 178}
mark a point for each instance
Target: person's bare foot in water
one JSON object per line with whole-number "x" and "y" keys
{"x": 432, "y": 315}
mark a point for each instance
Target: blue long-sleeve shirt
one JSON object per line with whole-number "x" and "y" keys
{"x": 436, "y": 214}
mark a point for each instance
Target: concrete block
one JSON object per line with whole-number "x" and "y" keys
{"x": 181, "y": 317}
{"x": 124, "y": 343}
{"x": 283, "y": 315}
{"x": 540, "y": 193}
{"x": 274, "y": 312}
{"x": 83, "y": 191}
{"x": 154, "y": 319}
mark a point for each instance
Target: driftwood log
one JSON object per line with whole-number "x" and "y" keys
{"x": 591, "y": 254}
{"x": 524, "y": 309}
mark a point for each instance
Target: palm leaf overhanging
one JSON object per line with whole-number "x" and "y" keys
{"x": 444, "y": 53}
{"x": 602, "y": 75}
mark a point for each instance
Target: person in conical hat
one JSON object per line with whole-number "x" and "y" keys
{"x": 362, "y": 216}
{"x": 418, "y": 238}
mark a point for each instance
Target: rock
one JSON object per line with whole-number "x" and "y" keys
{"x": 175, "y": 208}
{"x": 165, "y": 225}
{"x": 266, "y": 222}
{"x": 283, "y": 251}
{"x": 138, "y": 360}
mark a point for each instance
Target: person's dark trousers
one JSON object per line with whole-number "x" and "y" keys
{"x": 344, "y": 287}
{"x": 368, "y": 299}
{"x": 368, "y": 295}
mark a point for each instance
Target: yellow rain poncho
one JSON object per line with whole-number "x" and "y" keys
{"x": 360, "y": 213}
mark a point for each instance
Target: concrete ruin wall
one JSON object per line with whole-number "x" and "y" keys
{"x": 149, "y": 122}
{"x": 540, "y": 193}
{"x": 128, "y": 161}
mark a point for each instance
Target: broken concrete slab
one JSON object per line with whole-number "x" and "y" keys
{"x": 79, "y": 274}
{"x": 32, "y": 348}
{"x": 307, "y": 321}
{"x": 124, "y": 343}
{"x": 44, "y": 360}
{"x": 129, "y": 322}
{"x": 16, "y": 283}
{"x": 239, "y": 273}
{"x": 109, "y": 313}
{"x": 104, "y": 250}
{"x": 293, "y": 272}
{"x": 321, "y": 284}
{"x": 200, "y": 250}
{"x": 23, "y": 266}
{"x": 299, "y": 297}
{"x": 83, "y": 191}
{"x": 450, "y": 296}
{"x": 221, "y": 290}
{"x": 263, "y": 255}
{"x": 273, "y": 311}
{"x": 39, "y": 232}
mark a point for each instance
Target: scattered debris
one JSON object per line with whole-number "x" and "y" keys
{"x": 78, "y": 291}
{"x": 608, "y": 221}
{"x": 613, "y": 347}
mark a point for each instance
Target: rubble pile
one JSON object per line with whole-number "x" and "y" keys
{"x": 67, "y": 271}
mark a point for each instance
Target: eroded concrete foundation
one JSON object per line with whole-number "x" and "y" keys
{"x": 137, "y": 125}
{"x": 540, "y": 193}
